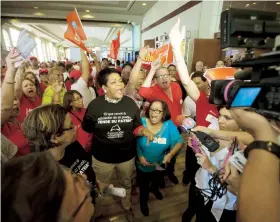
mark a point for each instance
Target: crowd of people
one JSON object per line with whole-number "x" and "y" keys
{"x": 67, "y": 128}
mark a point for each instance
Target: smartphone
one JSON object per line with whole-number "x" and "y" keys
{"x": 207, "y": 141}
{"x": 194, "y": 143}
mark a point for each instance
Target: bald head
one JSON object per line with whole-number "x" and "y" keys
{"x": 199, "y": 66}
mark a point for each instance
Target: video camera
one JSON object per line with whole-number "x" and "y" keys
{"x": 257, "y": 84}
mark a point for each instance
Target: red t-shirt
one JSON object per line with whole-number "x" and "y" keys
{"x": 203, "y": 108}
{"x": 15, "y": 135}
{"x": 100, "y": 92}
{"x": 119, "y": 69}
{"x": 68, "y": 85}
{"x": 155, "y": 92}
{"x": 43, "y": 86}
{"x": 26, "y": 105}
{"x": 83, "y": 137}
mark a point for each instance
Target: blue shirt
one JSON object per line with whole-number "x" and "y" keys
{"x": 154, "y": 152}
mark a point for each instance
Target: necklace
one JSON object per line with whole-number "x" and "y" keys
{"x": 111, "y": 100}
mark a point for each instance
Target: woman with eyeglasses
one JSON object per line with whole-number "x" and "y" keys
{"x": 51, "y": 128}
{"x": 73, "y": 102}
{"x": 114, "y": 120}
{"x": 36, "y": 188}
{"x": 155, "y": 153}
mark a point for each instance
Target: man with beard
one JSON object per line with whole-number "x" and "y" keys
{"x": 168, "y": 91}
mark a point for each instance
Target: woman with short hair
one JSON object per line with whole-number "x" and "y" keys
{"x": 155, "y": 153}
{"x": 36, "y": 188}
{"x": 50, "y": 128}
{"x": 114, "y": 120}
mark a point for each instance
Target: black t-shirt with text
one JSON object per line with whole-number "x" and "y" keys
{"x": 112, "y": 125}
{"x": 78, "y": 161}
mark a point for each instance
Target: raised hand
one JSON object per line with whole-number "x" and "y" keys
{"x": 94, "y": 56}
{"x": 143, "y": 52}
{"x": 12, "y": 58}
{"x": 176, "y": 35}
{"x": 57, "y": 87}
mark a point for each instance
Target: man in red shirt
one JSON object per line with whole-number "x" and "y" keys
{"x": 165, "y": 90}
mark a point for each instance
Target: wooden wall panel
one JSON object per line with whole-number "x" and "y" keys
{"x": 150, "y": 43}
{"x": 206, "y": 50}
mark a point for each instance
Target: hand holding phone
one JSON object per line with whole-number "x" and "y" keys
{"x": 194, "y": 143}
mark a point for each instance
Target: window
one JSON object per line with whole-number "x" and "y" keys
{"x": 6, "y": 39}
{"x": 53, "y": 52}
{"x": 44, "y": 52}
{"x": 14, "y": 36}
{"x": 39, "y": 49}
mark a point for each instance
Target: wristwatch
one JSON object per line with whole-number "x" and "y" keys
{"x": 264, "y": 145}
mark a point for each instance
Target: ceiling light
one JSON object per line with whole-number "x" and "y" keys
{"x": 35, "y": 7}
{"x": 144, "y": 4}
{"x": 88, "y": 16}
{"x": 247, "y": 5}
{"x": 87, "y": 10}
{"x": 277, "y": 3}
{"x": 39, "y": 13}
{"x": 254, "y": 3}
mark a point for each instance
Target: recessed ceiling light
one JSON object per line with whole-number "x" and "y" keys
{"x": 254, "y": 3}
{"x": 39, "y": 13}
{"x": 88, "y": 16}
{"x": 277, "y": 3}
{"x": 230, "y": 5}
{"x": 144, "y": 4}
{"x": 247, "y": 5}
{"x": 35, "y": 7}
{"x": 87, "y": 10}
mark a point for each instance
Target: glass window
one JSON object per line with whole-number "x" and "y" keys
{"x": 44, "y": 51}
{"x": 14, "y": 36}
{"x": 39, "y": 49}
{"x": 6, "y": 39}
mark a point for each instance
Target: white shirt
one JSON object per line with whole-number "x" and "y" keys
{"x": 202, "y": 177}
{"x": 88, "y": 93}
{"x": 189, "y": 107}
{"x": 65, "y": 75}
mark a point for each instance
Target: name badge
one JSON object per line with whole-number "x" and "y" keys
{"x": 161, "y": 140}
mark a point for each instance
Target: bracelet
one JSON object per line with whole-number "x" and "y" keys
{"x": 9, "y": 82}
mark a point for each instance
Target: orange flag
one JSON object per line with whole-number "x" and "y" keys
{"x": 115, "y": 46}
{"x": 75, "y": 32}
{"x": 164, "y": 53}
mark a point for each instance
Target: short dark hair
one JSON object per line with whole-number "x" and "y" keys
{"x": 69, "y": 66}
{"x": 118, "y": 62}
{"x": 165, "y": 109}
{"x": 198, "y": 74}
{"x": 105, "y": 59}
{"x": 24, "y": 181}
{"x": 127, "y": 64}
{"x": 102, "y": 77}
{"x": 41, "y": 124}
{"x": 171, "y": 65}
{"x": 68, "y": 99}
{"x": 61, "y": 64}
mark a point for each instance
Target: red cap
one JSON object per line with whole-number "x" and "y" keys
{"x": 75, "y": 74}
{"x": 32, "y": 57}
{"x": 43, "y": 71}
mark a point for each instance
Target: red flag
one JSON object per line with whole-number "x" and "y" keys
{"x": 75, "y": 32}
{"x": 74, "y": 21}
{"x": 73, "y": 37}
{"x": 115, "y": 46}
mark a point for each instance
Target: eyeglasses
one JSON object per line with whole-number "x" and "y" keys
{"x": 163, "y": 76}
{"x": 68, "y": 129}
{"x": 156, "y": 111}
